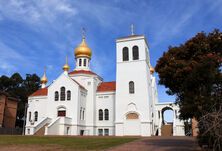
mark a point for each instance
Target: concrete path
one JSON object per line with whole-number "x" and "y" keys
{"x": 172, "y": 143}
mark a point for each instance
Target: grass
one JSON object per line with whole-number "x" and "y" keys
{"x": 69, "y": 143}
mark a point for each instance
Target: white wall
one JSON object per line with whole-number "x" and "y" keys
{"x": 137, "y": 71}
{"x": 105, "y": 100}
{"x": 36, "y": 104}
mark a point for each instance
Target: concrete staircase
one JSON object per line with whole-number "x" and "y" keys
{"x": 167, "y": 130}
{"x": 41, "y": 131}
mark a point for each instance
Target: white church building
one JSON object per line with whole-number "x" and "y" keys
{"x": 79, "y": 102}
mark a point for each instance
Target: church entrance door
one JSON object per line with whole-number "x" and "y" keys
{"x": 62, "y": 113}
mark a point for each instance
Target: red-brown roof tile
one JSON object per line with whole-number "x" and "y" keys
{"x": 82, "y": 72}
{"x": 40, "y": 92}
{"x": 107, "y": 86}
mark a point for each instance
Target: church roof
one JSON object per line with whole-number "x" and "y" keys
{"x": 79, "y": 84}
{"x": 83, "y": 72}
{"x": 107, "y": 86}
{"x": 130, "y": 36}
{"x": 40, "y": 92}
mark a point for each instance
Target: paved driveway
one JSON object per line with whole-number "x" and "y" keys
{"x": 172, "y": 143}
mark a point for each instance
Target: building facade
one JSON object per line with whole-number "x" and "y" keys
{"x": 81, "y": 103}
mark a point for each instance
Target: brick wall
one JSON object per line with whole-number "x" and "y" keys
{"x": 8, "y": 110}
{"x": 2, "y": 108}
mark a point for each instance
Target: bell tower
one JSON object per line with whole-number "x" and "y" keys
{"x": 133, "y": 86}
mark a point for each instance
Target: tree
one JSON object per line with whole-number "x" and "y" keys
{"x": 20, "y": 88}
{"x": 192, "y": 72}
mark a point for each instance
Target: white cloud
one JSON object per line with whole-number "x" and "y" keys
{"x": 36, "y": 11}
{"x": 9, "y": 53}
{"x": 11, "y": 60}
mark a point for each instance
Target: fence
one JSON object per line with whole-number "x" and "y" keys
{"x": 10, "y": 131}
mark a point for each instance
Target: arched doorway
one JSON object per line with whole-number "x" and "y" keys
{"x": 61, "y": 112}
{"x": 132, "y": 124}
{"x": 167, "y": 121}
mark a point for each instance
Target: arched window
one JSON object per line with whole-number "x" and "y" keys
{"x": 106, "y": 114}
{"x": 135, "y": 53}
{"x": 56, "y": 96}
{"x": 125, "y": 54}
{"x": 80, "y": 62}
{"x": 132, "y": 116}
{"x": 83, "y": 114}
{"x": 100, "y": 115}
{"x": 84, "y": 63}
{"x": 36, "y": 116}
{"x": 131, "y": 87}
{"x": 62, "y": 93}
{"x": 80, "y": 115}
{"x": 68, "y": 95}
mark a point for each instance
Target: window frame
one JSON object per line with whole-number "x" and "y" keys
{"x": 100, "y": 132}
{"x": 100, "y": 115}
{"x": 106, "y": 114}
{"x": 36, "y": 116}
{"x": 131, "y": 87}
{"x": 80, "y": 62}
{"x": 106, "y": 132}
{"x": 135, "y": 51}
{"x": 62, "y": 93}
{"x": 84, "y": 62}
{"x": 56, "y": 96}
{"x": 68, "y": 93}
{"x": 125, "y": 54}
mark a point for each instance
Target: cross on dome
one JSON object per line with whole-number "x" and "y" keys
{"x": 132, "y": 29}
{"x": 83, "y": 32}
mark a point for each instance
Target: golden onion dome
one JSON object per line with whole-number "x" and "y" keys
{"x": 66, "y": 66}
{"x": 152, "y": 70}
{"x": 83, "y": 50}
{"x": 44, "y": 79}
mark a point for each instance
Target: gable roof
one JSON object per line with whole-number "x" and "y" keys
{"x": 40, "y": 92}
{"x": 130, "y": 36}
{"x": 79, "y": 84}
{"x": 107, "y": 86}
{"x": 83, "y": 72}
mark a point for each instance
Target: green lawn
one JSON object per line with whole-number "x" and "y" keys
{"x": 69, "y": 143}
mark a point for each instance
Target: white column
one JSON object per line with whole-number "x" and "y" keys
{"x": 160, "y": 123}
{"x": 174, "y": 123}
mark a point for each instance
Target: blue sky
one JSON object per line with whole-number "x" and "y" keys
{"x": 38, "y": 33}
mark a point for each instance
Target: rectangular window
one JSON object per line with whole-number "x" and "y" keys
{"x": 80, "y": 114}
{"x": 100, "y": 132}
{"x": 30, "y": 116}
{"x": 84, "y": 63}
{"x": 80, "y": 62}
{"x": 62, "y": 113}
{"x": 106, "y": 132}
{"x": 83, "y": 116}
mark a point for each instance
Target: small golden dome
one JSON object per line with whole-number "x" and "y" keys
{"x": 66, "y": 66}
{"x": 83, "y": 50}
{"x": 44, "y": 79}
{"x": 152, "y": 70}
